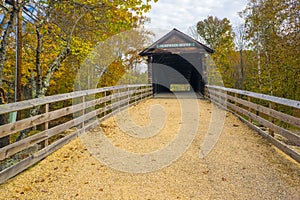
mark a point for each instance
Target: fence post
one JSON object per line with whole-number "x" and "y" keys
{"x": 135, "y": 93}
{"x": 236, "y": 97}
{"x": 249, "y": 109}
{"x": 141, "y": 94}
{"x": 206, "y": 93}
{"x": 271, "y": 119}
{"x": 46, "y": 143}
{"x": 149, "y": 91}
{"x": 105, "y": 104}
{"x": 128, "y": 97}
{"x": 118, "y": 99}
{"x": 83, "y": 111}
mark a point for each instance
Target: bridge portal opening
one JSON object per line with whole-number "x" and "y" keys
{"x": 176, "y": 63}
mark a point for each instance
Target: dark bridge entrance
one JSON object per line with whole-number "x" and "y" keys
{"x": 176, "y": 62}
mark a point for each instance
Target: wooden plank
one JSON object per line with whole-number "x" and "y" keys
{"x": 114, "y": 112}
{"x": 219, "y": 94}
{"x": 268, "y": 111}
{"x": 27, "y": 142}
{"x": 83, "y": 110}
{"x": 110, "y": 107}
{"x": 216, "y": 102}
{"x": 16, "y": 147}
{"x": 28, "y": 104}
{"x": 120, "y": 95}
{"x": 36, "y": 120}
{"x": 221, "y": 100}
{"x": 236, "y": 97}
{"x": 117, "y": 104}
{"x": 283, "y": 147}
{"x": 33, "y": 159}
{"x": 43, "y": 118}
{"x": 285, "y": 133}
{"x": 282, "y": 101}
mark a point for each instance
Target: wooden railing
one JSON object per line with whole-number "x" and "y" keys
{"x": 61, "y": 118}
{"x": 64, "y": 117}
{"x": 276, "y": 119}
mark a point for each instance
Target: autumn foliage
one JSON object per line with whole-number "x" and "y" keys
{"x": 261, "y": 55}
{"x": 57, "y": 38}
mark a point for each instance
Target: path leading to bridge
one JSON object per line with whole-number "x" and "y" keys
{"x": 241, "y": 166}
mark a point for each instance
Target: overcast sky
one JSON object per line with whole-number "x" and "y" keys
{"x": 181, "y": 14}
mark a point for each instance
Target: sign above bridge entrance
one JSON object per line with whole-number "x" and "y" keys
{"x": 176, "y": 45}
{"x": 176, "y": 42}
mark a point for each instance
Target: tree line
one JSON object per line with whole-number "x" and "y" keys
{"x": 263, "y": 54}
{"x": 57, "y": 36}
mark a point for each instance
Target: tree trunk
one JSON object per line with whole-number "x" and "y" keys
{"x": 42, "y": 83}
{"x": 38, "y": 62}
{"x": 242, "y": 70}
{"x": 4, "y": 41}
{"x": 54, "y": 67}
{"x": 41, "y": 91}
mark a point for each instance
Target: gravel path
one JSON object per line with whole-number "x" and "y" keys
{"x": 241, "y": 165}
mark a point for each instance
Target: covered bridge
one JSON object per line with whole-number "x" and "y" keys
{"x": 176, "y": 62}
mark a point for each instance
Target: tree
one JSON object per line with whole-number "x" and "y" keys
{"x": 62, "y": 32}
{"x": 6, "y": 25}
{"x": 272, "y": 29}
{"x": 113, "y": 59}
{"x": 240, "y": 43}
{"x": 193, "y": 32}
{"x": 219, "y": 36}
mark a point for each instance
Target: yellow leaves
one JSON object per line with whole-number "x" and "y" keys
{"x": 272, "y": 29}
{"x": 90, "y": 22}
{"x": 80, "y": 47}
{"x": 113, "y": 74}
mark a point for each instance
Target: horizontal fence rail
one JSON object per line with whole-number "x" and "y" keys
{"x": 276, "y": 119}
{"x": 61, "y": 119}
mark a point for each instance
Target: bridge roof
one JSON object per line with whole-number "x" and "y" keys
{"x": 176, "y": 42}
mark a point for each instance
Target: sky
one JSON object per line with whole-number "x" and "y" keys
{"x": 182, "y": 14}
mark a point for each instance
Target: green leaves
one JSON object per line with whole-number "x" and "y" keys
{"x": 218, "y": 34}
{"x": 271, "y": 62}
{"x": 273, "y": 29}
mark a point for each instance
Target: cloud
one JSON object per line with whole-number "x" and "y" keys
{"x": 181, "y": 14}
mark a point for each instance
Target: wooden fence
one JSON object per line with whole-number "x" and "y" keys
{"x": 61, "y": 118}
{"x": 64, "y": 117}
{"x": 276, "y": 119}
